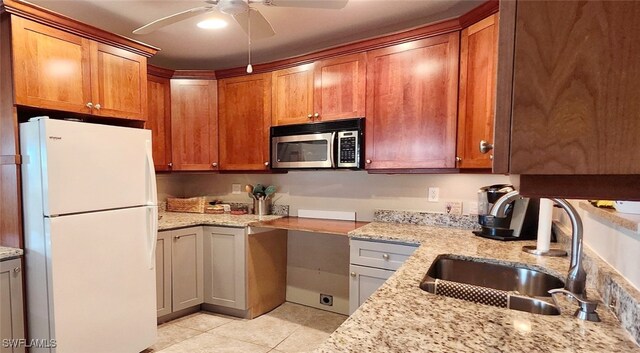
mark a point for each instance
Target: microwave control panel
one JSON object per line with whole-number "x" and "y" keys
{"x": 348, "y": 149}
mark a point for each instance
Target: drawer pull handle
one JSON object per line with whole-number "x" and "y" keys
{"x": 353, "y": 274}
{"x": 385, "y": 256}
{"x": 17, "y": 270}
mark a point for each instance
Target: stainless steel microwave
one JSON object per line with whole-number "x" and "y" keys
{"x": 328, "y": 145}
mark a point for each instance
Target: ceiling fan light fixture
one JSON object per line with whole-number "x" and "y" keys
{"x": 233, "y": 7}
{"x": 212, "y": 23}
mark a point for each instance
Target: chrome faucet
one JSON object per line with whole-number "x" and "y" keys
{"x": 577, "y": 277}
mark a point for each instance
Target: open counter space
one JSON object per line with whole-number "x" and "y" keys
{"x": 173, "y": 220}
{"x": 402, "y": 317}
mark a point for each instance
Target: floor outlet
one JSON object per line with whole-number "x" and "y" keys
{"x": 454, "y": 207}
{"x": 326, "y": 299}
{"x": 433, "y": 194}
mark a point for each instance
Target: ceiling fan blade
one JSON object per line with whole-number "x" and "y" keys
{"x": 312, "y": 4}
{"x": 260, "y": 27}
{"x": 165, "y": 21}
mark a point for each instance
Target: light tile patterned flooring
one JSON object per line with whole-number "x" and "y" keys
{"x": 289, "y": 328}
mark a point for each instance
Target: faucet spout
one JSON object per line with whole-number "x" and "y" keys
{"x": 577, "y": 277}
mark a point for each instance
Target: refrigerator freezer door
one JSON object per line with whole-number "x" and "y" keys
{"x": 101, "y": 286}
{"x": 88, "y": 167}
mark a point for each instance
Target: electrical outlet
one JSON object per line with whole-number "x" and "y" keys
{"x": 326, "y": 299}
{"x": 433, "y": 194}
{"x": 453, "y": 207}
{"x": 236, "y": 188}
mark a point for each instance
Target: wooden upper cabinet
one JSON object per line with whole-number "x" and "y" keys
{"x": 119, "y": 82}
{"x": 57, "y": 70}
{"x": 339, "y": 87}
{"x": 51, "y": 67}
{"x": 478, "y": 54}
{"x": 322, "y": 91}
{"x": 245, "y": 119}
{"x": 412, "y": 99}
{"x": 292, "y": 95}
{"x": 194, "y": 125}
{"x": 159, "y": 120}
{"x": 576, "y": 83}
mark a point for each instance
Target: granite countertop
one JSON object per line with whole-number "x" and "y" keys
{"x": 7, "y": 253}
{"x": 400, "y": 317}
{"x": 172, "y": 220}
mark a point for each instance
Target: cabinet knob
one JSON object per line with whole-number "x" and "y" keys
{"x": 316, "y": 115}
{"x": 97, "y": 106}
{"x": 17, "y": 270}
{"x": 368, "y": 161}
{"x": 353, "y": 274}
{"x": 310, "y": 117}
{"x": 266, "y": 164}
{"x": 89, "y": 105}
{"x": 214, "y": 164}
{"x": 170, "y": 165}
{"x": 458, "y": 159}
{"x": 385, "y": 256}
{"x": 485, "y": 146}
{"x": 491, "y": 157}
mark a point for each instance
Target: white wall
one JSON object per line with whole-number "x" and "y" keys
{"x": 346, "y": 190}
{"x": 619, "y": 247}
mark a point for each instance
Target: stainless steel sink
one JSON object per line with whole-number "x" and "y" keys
{"x": 522, "y": 288}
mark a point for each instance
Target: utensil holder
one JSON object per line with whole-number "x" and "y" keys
{"x": 262, "y": 207}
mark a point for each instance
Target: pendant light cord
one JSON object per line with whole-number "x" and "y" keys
{"x": 249, "y": 67}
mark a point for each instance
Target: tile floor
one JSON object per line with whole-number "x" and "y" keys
{"x": 289, "y": 328}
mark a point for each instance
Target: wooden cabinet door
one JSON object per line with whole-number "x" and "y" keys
{"x": 412, "y": 99}
{"x": 339, "y": 87}
{"x": 163, "y": 273}
{"x": 478, "y": 54}
{"x": 194, "y": 125}
{"x": 292, "y": 95}
{"x": 159, "y": 120}
{"x": 51, "y": 67}
{"x": 245, "y": 119}
{"x": 119, "y": 82}
{"x": 364, "y": 282}
{"x": 186, "y": 268}
{"x": 224, "y": 267}
{"x": 11, "y": 304}
{"x": 576, "y": 83}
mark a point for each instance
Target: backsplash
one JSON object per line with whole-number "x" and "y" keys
{"x": 427, "y": 219}
{"x": 616, "y": 292}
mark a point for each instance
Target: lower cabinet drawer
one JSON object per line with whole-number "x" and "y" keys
{"x": 381, "y": 255}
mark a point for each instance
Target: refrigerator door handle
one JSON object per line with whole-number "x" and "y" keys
{"x": 152, "y": 191}
{"x": 152, "y": 236}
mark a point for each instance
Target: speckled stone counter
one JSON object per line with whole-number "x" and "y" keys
{"x": 400, "y": 317}
{"x": 7, "y": 253}
{"x": 172, "y": 220}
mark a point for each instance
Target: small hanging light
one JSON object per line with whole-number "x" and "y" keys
{"x": 249, "y": 67}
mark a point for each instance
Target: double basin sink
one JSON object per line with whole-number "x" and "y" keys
{"x": 510, "y": 286}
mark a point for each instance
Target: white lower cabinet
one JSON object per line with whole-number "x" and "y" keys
{"x": 11, "y": 306}
{"x": 372, "y": 263}
{"x": 225, "y": 267}
{"x": 179, "y": 267}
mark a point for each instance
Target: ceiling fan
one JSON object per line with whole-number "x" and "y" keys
{"x": 250, "y": 19}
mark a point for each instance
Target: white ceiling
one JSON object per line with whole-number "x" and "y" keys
{"x": 298, "y": 30}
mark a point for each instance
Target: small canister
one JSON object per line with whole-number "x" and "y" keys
{"x": 262, "y": 207}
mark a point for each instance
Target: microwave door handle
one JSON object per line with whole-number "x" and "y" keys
{"x": 332, "y": 151}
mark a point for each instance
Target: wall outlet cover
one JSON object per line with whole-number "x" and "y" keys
{"x": 433, "y": 195}
{"x": 236, "y": 188}
{"x": 453, "y": 207}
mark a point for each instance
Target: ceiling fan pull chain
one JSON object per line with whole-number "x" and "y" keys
{"x": 249, "y": 67}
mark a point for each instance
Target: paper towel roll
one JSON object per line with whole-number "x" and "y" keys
{"x": 545, "y": 217}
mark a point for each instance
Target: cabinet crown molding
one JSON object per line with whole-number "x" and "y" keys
{"x": 53, "y": 19}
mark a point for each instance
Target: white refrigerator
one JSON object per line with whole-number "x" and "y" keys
{"x": 90, "y": 220}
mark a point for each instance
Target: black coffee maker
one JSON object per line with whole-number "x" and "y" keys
{"x": 521, "y": 215}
